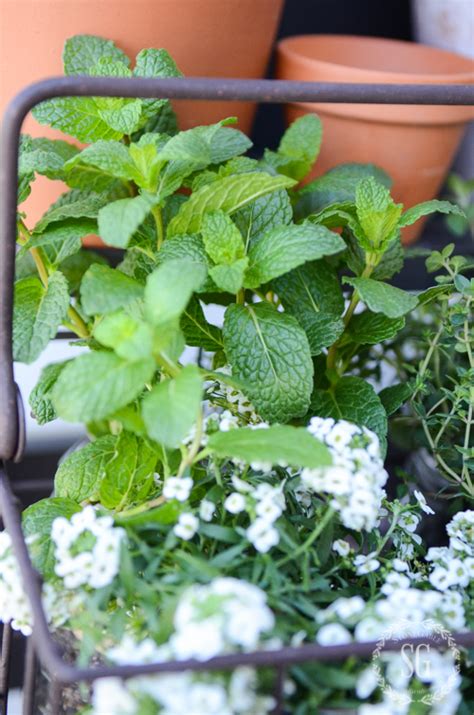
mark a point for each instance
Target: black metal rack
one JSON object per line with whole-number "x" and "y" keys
{"x": 42, "y": 648}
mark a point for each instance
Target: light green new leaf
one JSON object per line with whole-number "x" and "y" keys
{"x": 129, "y": 474}
{"x": 40, "y": 397}
{"x": 313, "y": 295}
{"x": 61, "y": 239}
{"x": 428, "y": 207}
{"x": 98, "y": 384}
{"x": 377, "y": 213}
{"x": 119, "y": 220}
{"x": 279, "y": 443}
{"x": 45, "y": 156}
{"x": 171, "y": 408}
{"x": 37, "y": 521}
{"x": 269, "y": 353}
{"x": 228, "y": 194}
{"x": 197, "y": 331}
{"x": 222, "y": 239}
{"x": 382, "y": 297}
{"x": 38, "y": 312}
{"x": 287, "y": 247}
{"x": 79, "y": 475}
{"x": 352, "y": 399}
{"x": 129, "y": 338}
{"x": 169, "y": 288}
{"x": 371, "y": 328}
{"x": 82, "y": 52}
{"x": 104, "y": 290}
{"x": 229, "y": 277}
{"x": 299, "y": 147}
{"x": 73, "y": 204}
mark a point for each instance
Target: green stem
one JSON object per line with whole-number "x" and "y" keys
{"x": 310, "y": 540}
{"x": 77, "y": 322}
{"x": 156, "y": 211}
{"x": 240, "y": 297}
{"x": 188, "y": 459}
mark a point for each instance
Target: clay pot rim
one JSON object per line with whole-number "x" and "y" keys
{"x": 288, "y": 47}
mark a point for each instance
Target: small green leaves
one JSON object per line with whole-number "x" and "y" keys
{"x": 377, "y": 213}
{"x": 45, "y": 156}
{"x": 61, "y": 239}
{"x": 169, "y": 288}
{"x": 40, "y": 397}
{"x": 98, "y": 384}
{"x": 229, "y": 277}
{"x": 313, "y": 295}
{"x": 38, "y": 312}
{"x": 71, "y": 205}
{"x": 427, "y": 207}
{"x": 82, "y": 53}
{"x": 104, "y": 290}
{"x": 110, "y": 157}
{"x": 171, "y": 408}
{"x": 129, "y": 338}
{"x": 284, "y": 248}
{"x": 222, "y": 239}
{"x": 298, "y": 149}
{"x": 355, "y": 400}
{"x": 119, "y": 220}
{"x": 279, "y": 443}
{"x": 269, "y": 352}
{"x": 79, "y": 475}
{"x": 383, "y": 298}
{"x": 228, "y": 194}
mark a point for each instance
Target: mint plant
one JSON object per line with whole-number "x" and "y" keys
{"x": 219, "y": 506}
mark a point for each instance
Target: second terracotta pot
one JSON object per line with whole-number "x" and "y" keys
{"x": 214, "y": 38}
{"x": 414, "y": 144}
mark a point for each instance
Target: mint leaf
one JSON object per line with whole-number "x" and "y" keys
{"x": 263, "y": 214}
{"x": 128, "y": 337}
{"x": 119, "y": 220}
{"x": 287, "y": 247}
{"x": 76, "y": 265}
{"x": 395, "y": 396}
{"x": 154, "y": 63}
{"x": 352, "y": 399}
{"x": 129, "y": 474}
{"x": 228, "y": 194}
{"x": 313, "y": 295}
{"x": 97, "y": 384}
{"x": 428, "y": 207}
{"x": 222, "y": 239}
{"x": 371, "y": 328}
{"x": 197, "y": 331}
{"x": 72, "y": 204}
{"x": 112, "y": 158}
{"x": 79, "y": 475}
{"x": 269, "y": 352}
{"x": 335, "y": 186}
{"x": 40, "y": 397}
{"x": 382, "y": 297}
{"x": 171, "y": 408}
{"x": 82, "y": 52}
{"x": 279, "y": 443}
{"x": 45, "y": 156}
{"x": 226, "y": 143}
{"x": 299, "y": 147}
{"x": 104, "y": 289}
{"x": 37, "y": 521}
{"x": 38, "y": 312}
{"x": 377, "y": 213}
{"x": 229, "y": 277}
{"x": 78, "y": 116}
{"x": 61, "y": 239}
{"x": 169, "y": 288}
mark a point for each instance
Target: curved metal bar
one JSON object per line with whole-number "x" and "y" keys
{"x": 172, "y": 88}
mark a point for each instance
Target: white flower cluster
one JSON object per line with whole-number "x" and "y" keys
{"x": 87, "y": 549}
{"x": 453, "y": 565}
{"x": 357, "y": 476}
{"x": 14, "y": 607}
{"x": 225, "y": 616}
{"x": 265, "y": 504}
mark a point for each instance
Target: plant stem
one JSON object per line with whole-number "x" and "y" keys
{"x": 188, "y": 459}
{"x": 240, "y": 297}
{"x": 310, "y": 540}
{"x": 77, "y": 322}
{"x": 156, "y": 211}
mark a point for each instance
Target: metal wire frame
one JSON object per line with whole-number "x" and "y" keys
{"x": 42, "y": 644}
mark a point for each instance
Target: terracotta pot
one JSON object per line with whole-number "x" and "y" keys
{"x": 217, "y": 38}
{"x": 414, "y": 144}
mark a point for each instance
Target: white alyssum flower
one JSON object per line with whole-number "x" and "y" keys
{"x": 207, "y": 509}
{"x": 421, "y": 499}
{"x": 262, "y": 535}
{"x": 366, "y": 563}
{"x": 357, "y": 476}
{"x": 187, "y": 526}
{"x": 235, "y": 503}
{"x": 87, "y": 549}
{"x": 461, "y": 532}
{"x": 178, "y": 488}
{"x": 14, "y": 606}
{"x": 341, "y": 547}
{"x": 333, "y": 634}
